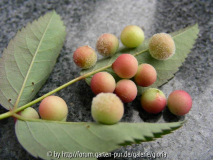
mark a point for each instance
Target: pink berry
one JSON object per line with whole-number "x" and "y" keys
{"x": 84, "y": 57}
{"x": 102, "y": 82}
{"x": 153, "y": 100}
{"x": 179, "y": 102}
{"x": 146, "y": 75}
{"x": 126, "y": 90}
{"x": 125, "y": 66}
{"x": 107, "y": 44}
{"x": 53, "y": 108}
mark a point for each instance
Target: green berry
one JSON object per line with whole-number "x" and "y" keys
{"x": 161, "y": 46}
{"x": 30, "y": 113}
{"x": 107, "y": 108}
{"x": 64, "y": 120}
{"x": 132, "y": 36}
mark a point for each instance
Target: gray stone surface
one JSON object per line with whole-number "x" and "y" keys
{"x": 85, "y": 21}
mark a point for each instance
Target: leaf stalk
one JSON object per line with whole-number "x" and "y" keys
{"x": 11, "y": 113}
{"x": 15, "y": 110}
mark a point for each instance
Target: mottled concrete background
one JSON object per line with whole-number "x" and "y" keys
{"x": 85, "y": 21}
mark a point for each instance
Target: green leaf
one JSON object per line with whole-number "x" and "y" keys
{"x": 29, "y": 59}
{"x": 184, "y": 40}
{"x": 85, "y": 137}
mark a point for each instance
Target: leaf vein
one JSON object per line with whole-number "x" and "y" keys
{"x": 34, "y": 137}
{"x": 22, "y": 88}
{"x": 75, "y": 140}
{"x": 34, "y": 33}
{"x": 47, "y": 49}
{"x": 56, "y": 136}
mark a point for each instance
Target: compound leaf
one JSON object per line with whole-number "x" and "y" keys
{"x": 29, "y": 59}
{"x": 43, "y": 139}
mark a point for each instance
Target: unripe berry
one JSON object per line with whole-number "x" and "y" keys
{"x": 146, "y": 75}
{"x": 64, "y": 120}
{"x": 30, "y": 113}
{"x": 161, "y": 46}
{"x": 102, "y": 82}
{"x": 107, "y": 108}
{"x": 153, "y": 100}
{"x": 179, "y": 102}
{"x": 126, "y": 90}
{"x": 84, "y": 57}
{"x": 125, "y": 66}
{"x": 53, "y": 108}
{"x": 132, "y": 36}
{"x": 107, "y": 44}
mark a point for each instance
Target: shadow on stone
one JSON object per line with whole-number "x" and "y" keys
{"x": 128, "y": 112}
{"x": 169, "y": 117}
{"x": 148, "y": 117}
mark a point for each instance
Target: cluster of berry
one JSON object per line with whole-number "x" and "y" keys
{"x": 107, "y": 45}
{"x": 107, "y": 106}
{"x": 153, "y": 100}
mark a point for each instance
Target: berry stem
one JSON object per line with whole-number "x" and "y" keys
{"x": 5, "y": 115}
{"x": 15, "y": 110}
{"x": 11, "y": 113}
